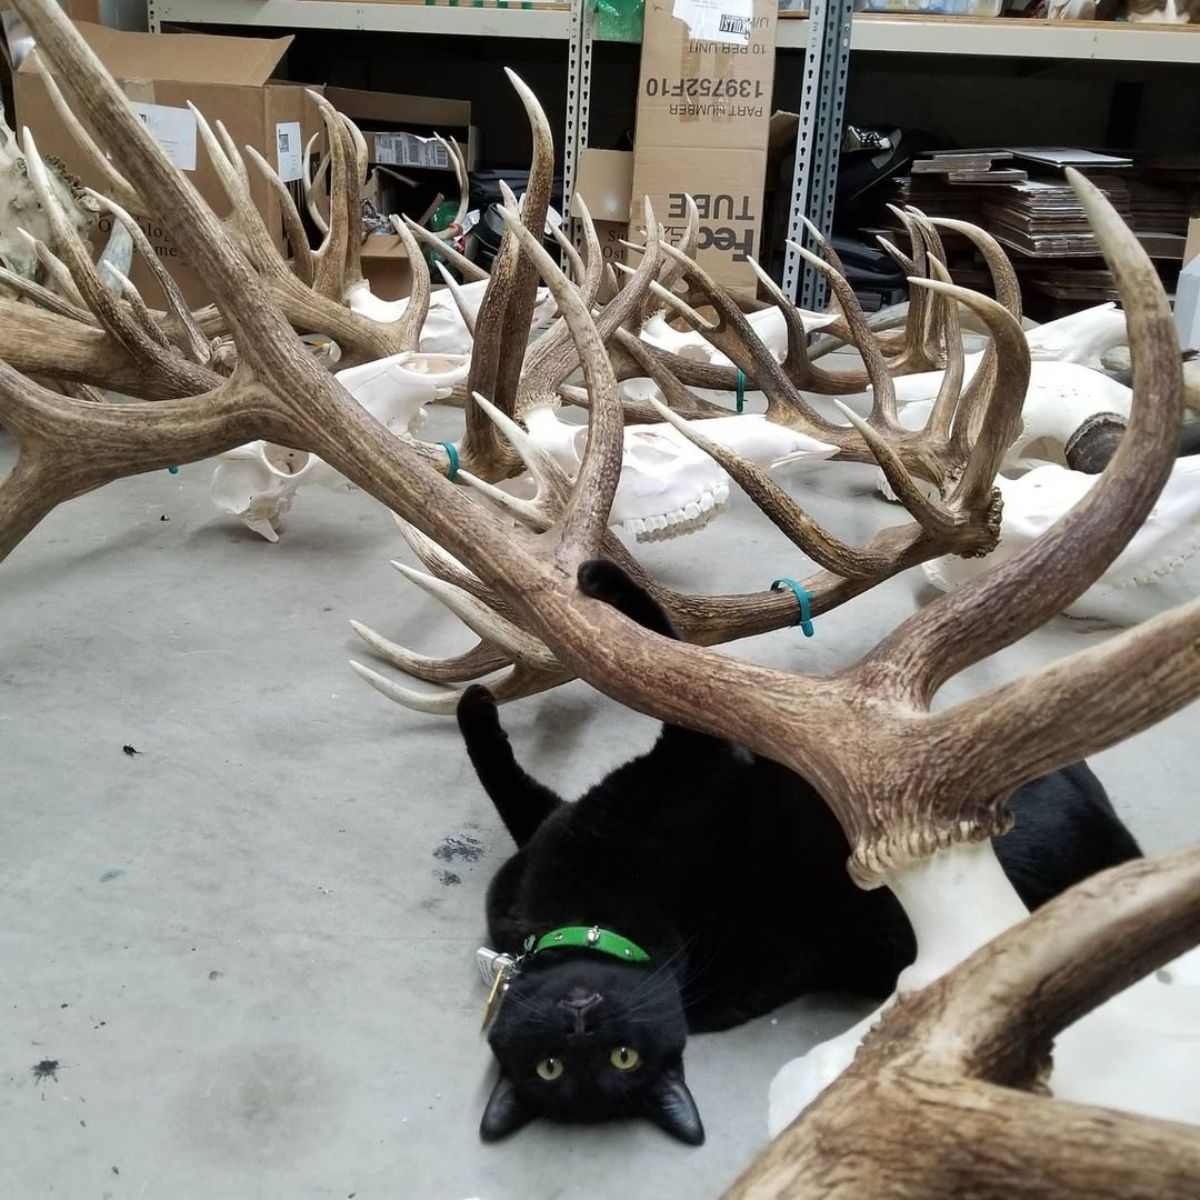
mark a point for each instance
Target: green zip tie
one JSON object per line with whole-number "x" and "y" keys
{"x": 452, "y": 453}
{"x": 741, "y": 389}
{"x": 803, "y": 596}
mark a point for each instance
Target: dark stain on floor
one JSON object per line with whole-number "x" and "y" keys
{"x": 447, "y": 878}
{"x": 459, "y": 845}
{"x": 46, "y": 1069}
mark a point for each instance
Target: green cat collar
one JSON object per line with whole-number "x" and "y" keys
{"x": 588, "y": 937}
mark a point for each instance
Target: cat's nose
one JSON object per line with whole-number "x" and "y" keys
{"x": 577, "y": 1003}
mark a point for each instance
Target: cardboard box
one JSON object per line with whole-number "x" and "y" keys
{"x": 704, "y": 107}
{"x": 228, "y": 79}
{"x": 605, "y": 180}
{"x": 398, "y": 129}
{"x": 386, "y": 266}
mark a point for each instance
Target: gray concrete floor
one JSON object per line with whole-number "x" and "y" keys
{"x": 249, "y": 947}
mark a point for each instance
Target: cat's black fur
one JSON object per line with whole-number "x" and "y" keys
{"x": 730, "y": 871}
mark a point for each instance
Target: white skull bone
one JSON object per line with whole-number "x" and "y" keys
{"x": 444, "y": 331}
{"x": 668, "y": 486}
{"x": 258, "y": 481}
{"x": 1155, "y": 571}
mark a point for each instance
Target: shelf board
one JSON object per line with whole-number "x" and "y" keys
{"x": 391, "y": 17}
{"x": 1010, "y": 37}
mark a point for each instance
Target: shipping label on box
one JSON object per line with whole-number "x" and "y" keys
{"x": 713, "y": 93}
{"x": 704, "y": 110}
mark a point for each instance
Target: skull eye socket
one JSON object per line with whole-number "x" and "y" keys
{"x": 624, "y": 1058}
{"x": 550, "y": 1069}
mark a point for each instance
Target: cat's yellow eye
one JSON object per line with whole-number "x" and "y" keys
{"x": 624, "y": 1058}
{"x": 550, "y": 1069}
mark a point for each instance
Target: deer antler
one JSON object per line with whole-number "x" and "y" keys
{"x": 902, "y": 779}
{"x": 947, "y": 1084}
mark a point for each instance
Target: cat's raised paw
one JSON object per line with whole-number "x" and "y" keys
{"x": 477, "y": 708}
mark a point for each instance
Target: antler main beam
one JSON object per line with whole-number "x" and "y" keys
{"x": 941, "y": 1100}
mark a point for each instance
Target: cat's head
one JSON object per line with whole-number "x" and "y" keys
{"x": 585, "y": 1038}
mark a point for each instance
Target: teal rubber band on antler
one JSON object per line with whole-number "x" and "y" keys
{"x": 741, "y": 389}
{"x": 803, "y": 598}
{"x": 452, "y": 454}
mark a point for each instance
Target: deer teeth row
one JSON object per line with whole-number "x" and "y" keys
{"x": 693, "y": 515}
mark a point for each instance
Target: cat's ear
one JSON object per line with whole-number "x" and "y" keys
{"x": 506, "y": 1112}
{"x": 670, "y": 1106}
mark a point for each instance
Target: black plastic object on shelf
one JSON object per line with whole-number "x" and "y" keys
{"x": 485, "y": 196}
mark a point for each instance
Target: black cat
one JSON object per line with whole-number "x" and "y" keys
{"x": 692, "y": 889}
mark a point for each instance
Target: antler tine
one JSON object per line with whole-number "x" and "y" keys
{"x": 931, "y": 514}
{"x": 516, "y": 684}
{"x": 138, "y": 309}
{"x": 585, "y": 520}
{"x": 574, "y": 261}
{"x": 44, "y": 297}
{"x": 931, "y": 332}
{"x": 54, "y": 267}
{"x": 362, "y": 155}
{"x": 673, "y": 269}
{"x": 484, "y": 621}
{"x": 420, "y": 290}
{"x": 553, "y": 357}
{"x": 302, "y": 257}
{"x": 441, "y": 562}
{"x": 252, "y": 233}
{"x": 589, "y": 282}
{"x": 681, "y": 306}
{"x": 460, "y": 301}
{"x": 547, "y": 475}
{"x": 1005, "y": 284}
{"x": 180, "y": 321}
{"x": 999, "y": 416}
{"x": 330, "y": 258}
{"x": 114, "y": 182}
{"x": 999, "y": 607}
{"x": 796, "y": 360}
{"x": 311, "y": 180}
{"x": 460, "y": 174}
{"x": 534, "y": 513}
{"x": 679, "y": 398}
{"x": 481, "y": 660}
{"x": 828, "y": 253}
{"x": 737, "y": 339}
{"x": 123, "y": 327}
{"x": 883, "y": 396}
{"x": 471, "y": 271}
{"x": 232, "y": 154}
{"x": 609, "y": 286}
{"x": 355, "y": 149}
{"x": 787, "y": 516}
{"x": 518, "y": 314}
{"x": 941, "y": 419}
{"x": 482, "y": 450}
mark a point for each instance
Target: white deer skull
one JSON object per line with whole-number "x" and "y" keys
{"x": 668, "y": 486}
{"x": 1061, "y": 398}
{"x": 768, "y": 325}
{"x": 1155, "y": 571}
{"x": 444, "y": 331}
{"x": 258, "y": 482}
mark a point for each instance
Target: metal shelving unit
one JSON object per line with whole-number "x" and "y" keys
{"x": 515, "y": 22}
{"x": 828, "y": 38}
{"x": 1104, "y": 41}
